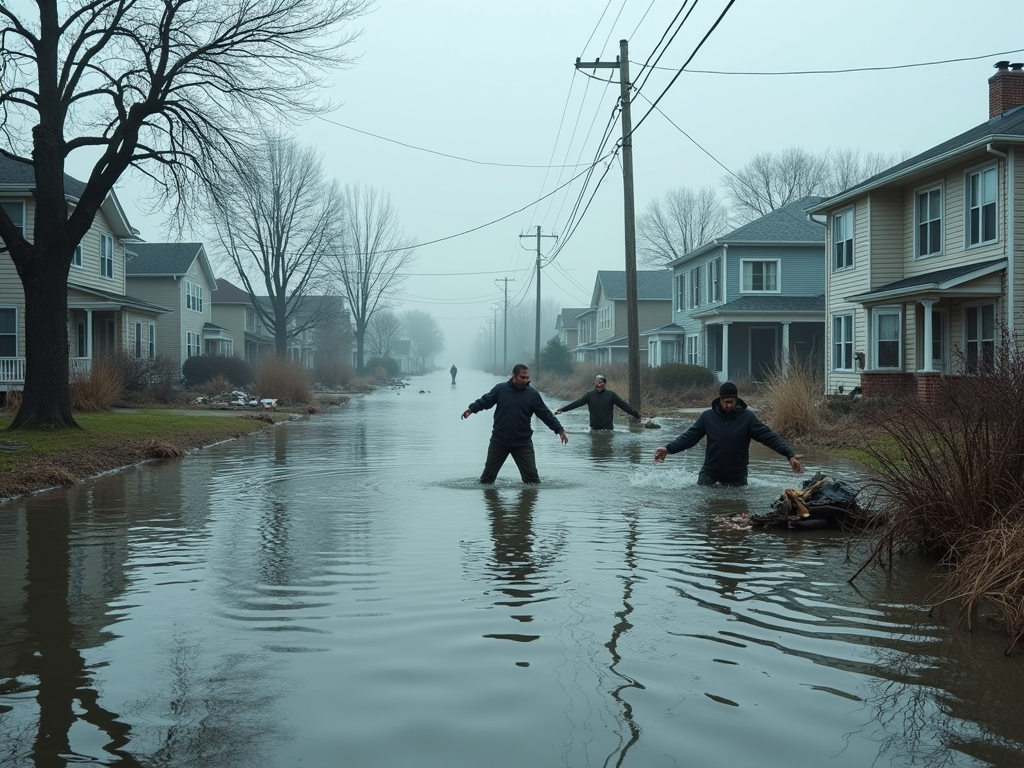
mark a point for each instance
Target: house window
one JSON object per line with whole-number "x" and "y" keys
{"x": 680, "y": 292}
{"x": 887, "y": 338}
{"x": 929, "y": 222}
{"x": 193, "y": 343}
{"x": 980, "y": 337}
{"x": 691, "y": 350}
{"x": 694, "y": 292}
{"x": 842, "y": 342}
{"x": 842, "y": 240}
{"x": 15, "y": 210}
{"x": 76, "y": 258}
{"x": 106, "y": 256}
{"x": 8, "y": 332}
{"x": 137, "y": 345}
{"x": 193, "y": 296}
{"x": 981, "y": 202}
{"x": 715, "y": 280}
{"x": 604, "y": 318}
{"x": 759, "y": 276}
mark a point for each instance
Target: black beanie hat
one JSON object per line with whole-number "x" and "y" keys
{"x": 728, "y": 389}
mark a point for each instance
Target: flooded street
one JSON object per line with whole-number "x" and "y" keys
{"x": 340, "y": 591}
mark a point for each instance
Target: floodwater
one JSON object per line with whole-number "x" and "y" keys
{"x": 340, "y": 591}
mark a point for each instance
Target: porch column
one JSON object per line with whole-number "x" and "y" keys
{"x": 785, "y": 349}
{"x": 725, "y": 351}
{"x": 927, "y": 334}
{"x": 88, "y": 334}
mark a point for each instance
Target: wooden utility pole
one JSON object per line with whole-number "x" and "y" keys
{"x": 632, "y": 319}
{"x": 536, "y": 340}
{"x": 504, "y": 358}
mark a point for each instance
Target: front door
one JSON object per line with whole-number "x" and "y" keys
{"x": 763, "y": 351}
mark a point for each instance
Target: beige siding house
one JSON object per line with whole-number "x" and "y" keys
{"x": 101, "y": 314}
{"x": 179, "y": 277}
{"x": 926, "y": 259}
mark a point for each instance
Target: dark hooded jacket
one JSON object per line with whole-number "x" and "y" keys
{"x": 602, "y": 408}
{"x": 727, "y": 452}
{"x": 515, "y": 409}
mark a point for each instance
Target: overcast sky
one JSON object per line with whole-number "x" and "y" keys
{"x": 488, "y": 94}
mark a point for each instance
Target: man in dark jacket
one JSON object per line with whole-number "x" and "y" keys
{"x": 601, "y": 402}
{"x": 516, "y": 403}
{"x": 729, "y": 427}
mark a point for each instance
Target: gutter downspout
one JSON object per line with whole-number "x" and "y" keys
{"x": 1010, "y": 174}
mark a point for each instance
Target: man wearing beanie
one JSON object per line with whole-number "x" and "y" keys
{"x": 729, "y": 427}
{"x": 601, "y": 403}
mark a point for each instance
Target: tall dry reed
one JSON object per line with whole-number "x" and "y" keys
{"x": 284, "y": 380}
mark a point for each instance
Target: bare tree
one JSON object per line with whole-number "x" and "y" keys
{"x": 273, "y": 218}
{"x": 771, "y": 180}
{"x": 848, "y": 167}
{"x": 174, "y": 88}
{"x": 425, "y": 334}
{"x": 383, "y": 330}
{"x": 372, "y": 256}
{"x": 682, "y": 221}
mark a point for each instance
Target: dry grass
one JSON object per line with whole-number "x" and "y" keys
{"x": 161, "y": 449}
{"x": 217, "y": 385}
{"x": 793, "y": 401}
{"x": 284, "y": 380}
{"x": 100, "y": 388}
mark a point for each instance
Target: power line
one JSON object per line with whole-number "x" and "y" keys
{"x": 434, "y": 151}
{"x": 844, "y": 70}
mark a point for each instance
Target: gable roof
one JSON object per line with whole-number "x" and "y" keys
{"x": 18, "y": 177}
{"x": 651, "y": 285}
{"x": 566, "y": 319}
{"x": 1007, "y": 128}
{"x": 229, "y": 293}
{"x": 787, "y": 225}
{"x": 166, "y": 260}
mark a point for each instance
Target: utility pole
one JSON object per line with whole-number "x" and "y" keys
{"x": 504, "y": 363}
{"x": 494, "y": 347}
{"x": 632, "y": 319}
{"x": 536, "y": 340}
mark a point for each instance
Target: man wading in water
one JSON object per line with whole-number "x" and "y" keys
{"x": 517, "y": 402}
{"x": 729, "y": 427}
{"x": 601, "y": 403}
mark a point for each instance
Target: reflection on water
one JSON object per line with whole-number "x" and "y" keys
{"x": 331, "y": 592}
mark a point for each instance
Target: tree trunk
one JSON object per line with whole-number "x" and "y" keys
{"x": 46, "y": 402}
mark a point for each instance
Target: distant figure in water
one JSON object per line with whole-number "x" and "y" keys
{"x": 453, "y": 371}
{"x": 601, "y": 402}
{"x": 517, "y": 404}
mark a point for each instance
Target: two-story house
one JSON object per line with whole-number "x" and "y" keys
{"x": 567, "y": 326}
{"x": 750, "y": 300}
{"x": 101, "y": 316}
{"x": 602, "y": 328}
{"x": 925, "y": 258}
{"x": 178, "y": 276}
{"x": 232, "y": 309}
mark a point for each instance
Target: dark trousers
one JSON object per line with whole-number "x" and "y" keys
{"x": 523, "y": 456}
{"x": 715, "y": 478}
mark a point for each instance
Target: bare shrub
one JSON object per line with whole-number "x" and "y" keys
{"x": 792, "y": 400}
{"x": 334, "y": 373}
{"x": 102, "y": 386}
{"x": 216, "y": 386}
{"x": 285, "y": 380}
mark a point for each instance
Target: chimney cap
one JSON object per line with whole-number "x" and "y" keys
{"x": 1002, "y": 65}
{"x": 1017, "y": 66}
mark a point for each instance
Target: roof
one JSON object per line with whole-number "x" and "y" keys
{"x": 670, "y": 328}
{"x": 788, "y": 225}
{"x": 120, "y": 298}
{"x": 939, "y": 280}
{"x": 18, "y": 177}
{"x": 1007, "y": 127}
{"x": 161, "y": 259}
{"x": 791, "y": 305}
{"x": 651, "y": 285}
{"x": 567, "y": 318}
{"x": 229, "y": 293}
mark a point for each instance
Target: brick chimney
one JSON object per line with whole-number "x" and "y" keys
{"x": 1005, "y": 88}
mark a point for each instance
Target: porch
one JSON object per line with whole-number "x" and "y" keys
{"x": 12, "y": 371}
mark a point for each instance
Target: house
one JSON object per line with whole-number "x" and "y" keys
{"x": 179, "y": 276}
{"x": 925, "y": 263}
{"x": 602, "y": 328}
{"x": 749, "y": 300}
{"x": 567, "y": 326}
{"x": 101, "y": 315}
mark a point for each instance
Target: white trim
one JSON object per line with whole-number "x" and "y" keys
{"x": 918, "y": 193}
{"x": 778, "y": 276}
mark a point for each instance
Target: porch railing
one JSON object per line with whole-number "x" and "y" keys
{"x": 12, "y": 369}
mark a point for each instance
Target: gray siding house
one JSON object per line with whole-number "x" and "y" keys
{"x": 602, "y": 328}
{"x": 750, "y": 300}
{"x": 567, "y": 326}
